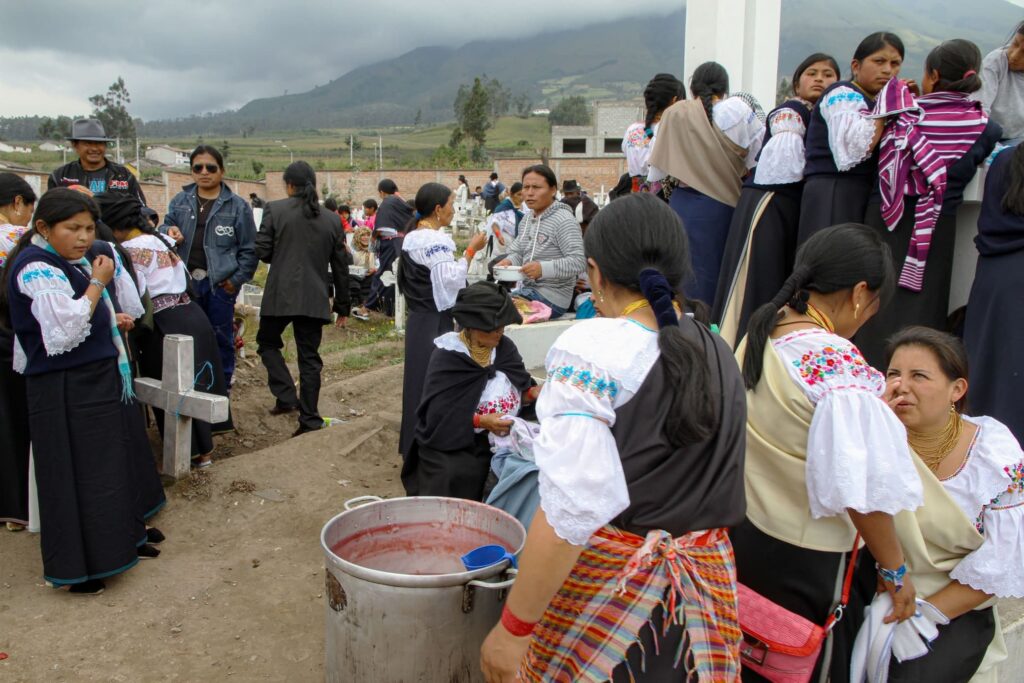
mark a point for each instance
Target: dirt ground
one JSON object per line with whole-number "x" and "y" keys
{"x": 238, "y": 591}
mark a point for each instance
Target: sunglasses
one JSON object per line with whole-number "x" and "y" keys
{"x": 210, "y": 168}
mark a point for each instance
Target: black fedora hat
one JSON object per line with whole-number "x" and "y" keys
{"x": 570, "y": 186}
{"x": 89, "y": 130}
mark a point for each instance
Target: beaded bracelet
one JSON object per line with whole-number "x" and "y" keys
{"x": 893, "y": 576}
{"x": 476, "y": 421}
{"x": 99, "y": 283}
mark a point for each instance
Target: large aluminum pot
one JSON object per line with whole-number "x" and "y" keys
{"x": 401, "y": 608}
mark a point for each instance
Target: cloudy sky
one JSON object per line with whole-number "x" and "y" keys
{"x": 182, "y": 57}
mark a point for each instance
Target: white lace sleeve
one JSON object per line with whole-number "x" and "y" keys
{"x": 63, "y": 319}
{"x": 127, "y": 290}
{"x": 995, "y": 463}
{"x": 849, "y": 133}
{"x": 782, "y": 159}
{"x": 448, "y": 278}
{"x": 20, "y": 359}
{"x": 582, "y": 486}
{"x": 858, "y": 458}
{"x": 739, "y": 123}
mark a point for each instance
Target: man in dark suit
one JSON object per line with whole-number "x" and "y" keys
{"x": 300, "y": 240}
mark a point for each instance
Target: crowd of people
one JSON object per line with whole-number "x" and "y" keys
{"x": 762, "y": 455}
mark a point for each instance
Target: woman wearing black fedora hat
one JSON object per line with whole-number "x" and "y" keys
{"x": 475, "y": 382}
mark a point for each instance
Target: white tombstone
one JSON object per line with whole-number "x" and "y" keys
{"x": 176, "y": 396}
{"x": 742, "y": 36}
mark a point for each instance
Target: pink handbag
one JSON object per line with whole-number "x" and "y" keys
{"x": 778, "y": 644}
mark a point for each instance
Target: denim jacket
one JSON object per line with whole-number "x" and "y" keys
{"x": 230, "y": 238}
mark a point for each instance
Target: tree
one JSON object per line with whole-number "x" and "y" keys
{"x": 522, "y": 105}
{"x": 499, "y": 98}
{"x": 473, "y": 116}
{"x": 112, "y": 111}
{"x": 225, "y": 149}
{"x": 419, "y": 118}
{"x": 257, "y": 168}
{"x": 571, "y": 111}
{"x": 55, "y": 129}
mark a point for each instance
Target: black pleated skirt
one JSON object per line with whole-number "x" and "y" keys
{"x": 90, "y": 522}
{"x": 833, "y": 199}
{"x": 452, "y": 474}
{"x": 189, "y": 320}
{"x": 14, "y": 437}
{"x": 930, "y": 306}
{"x": 422, "y": 328}
{"x": 761, "y": 246}
{"x": 803, "y": 582}
{"x": 994, "y": 335}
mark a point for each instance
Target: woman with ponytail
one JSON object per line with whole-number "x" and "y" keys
{"x": 640, "y": 455}
{"x": 661, "y": 92}
{"x": 842, "y": 156}
{"x": 916, "y": 214}
{"x": 79, "y": 386}
{"x": 762, "y": 236}
{"x": 308, "y": 251}
{"x": 429, "y": 277}
{"x": 826, "y": 458}
{"x": 705, "y": 147}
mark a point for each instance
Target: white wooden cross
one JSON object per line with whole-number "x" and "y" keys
{"x": 175, "y": 395}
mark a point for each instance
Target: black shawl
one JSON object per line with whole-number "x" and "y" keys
{"x": 452, "y": 390}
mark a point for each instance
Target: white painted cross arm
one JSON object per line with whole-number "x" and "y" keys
{"x": 175, "y": 395}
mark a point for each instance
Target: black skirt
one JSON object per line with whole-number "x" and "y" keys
{"x": 452, "y": 474}
{"x": 189, "y": 320}
{"x": 955, "y": 655}
{"x": 768, "y": 255}
{"x": 930, "y": 306}
{"x": 803, "y": 582}
{"x": 90, "y": 525}
{"x": 422, "y": 328}
{"x": 994, "y": 335}
{"x": 833, "y": 199}
{"x": 14, "y": 438}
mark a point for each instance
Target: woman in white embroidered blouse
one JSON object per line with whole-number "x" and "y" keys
{"x": 661, "y": 92}
{"x": 842, "y": 164}
{"x": 762, "y": 236}
{"x": 825, "y": 458}
{"x": 429, "y": 277}
{"x": 981, "y": 466}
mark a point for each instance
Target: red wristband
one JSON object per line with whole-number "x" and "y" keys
{"x": 515, "y": 625}
{"x": 470, "y": 253}
{"x": 476, "y": 421}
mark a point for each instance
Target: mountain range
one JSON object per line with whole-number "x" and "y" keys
{"x": 601, "y": 61}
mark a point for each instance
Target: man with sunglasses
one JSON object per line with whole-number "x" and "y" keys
{"x": 92, "y": 169}
{"x": 216, "y": 237}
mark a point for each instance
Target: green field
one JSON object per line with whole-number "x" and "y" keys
{"x": 404, "y": 147}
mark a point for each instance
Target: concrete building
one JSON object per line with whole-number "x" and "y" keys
{"x": 168, "y": 156}
{"x": 602, "y": 139}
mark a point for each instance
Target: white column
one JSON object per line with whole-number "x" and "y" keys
{"x": 742, "y": 36}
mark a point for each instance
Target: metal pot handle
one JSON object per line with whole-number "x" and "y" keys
{"x": 501, "y": 585}
{"x": 353, "y": 503}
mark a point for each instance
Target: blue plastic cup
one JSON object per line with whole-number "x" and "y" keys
{"x": 487, "y": 556}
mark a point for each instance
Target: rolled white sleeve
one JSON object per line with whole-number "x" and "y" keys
{"x": 582, "y": 485}
{"x": 782, "y": 159}
{"x": 127, "y": 290}
{"x": 858, "y": 458}
{"x": 849, "y": 133}
{"x": 63, "y": 319}
{"x": 739, "y": 123}
{"x": 447, "y": 279}
{"x": 997, "y": 566}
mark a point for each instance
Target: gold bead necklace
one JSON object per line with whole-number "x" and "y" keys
{"x": 480, "y": 354}
{"x": 934, "y": 448}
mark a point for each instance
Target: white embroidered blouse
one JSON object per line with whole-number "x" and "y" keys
{"x": 849, "y": 133}
{"x": 857, "y": 452}
{"x": 593, "y": 368}
{"x": 989, "y": 488}
{"x": 436, "y": 250}
{"x": 637, "y": 148}
{"x": 157, "y": 269}
{"x": 63, "y": 318}
{"x": 782, "y": 159}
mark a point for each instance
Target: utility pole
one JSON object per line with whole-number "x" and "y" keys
{"x": 380, "y": 140}
{"x": 351, "y": 152}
